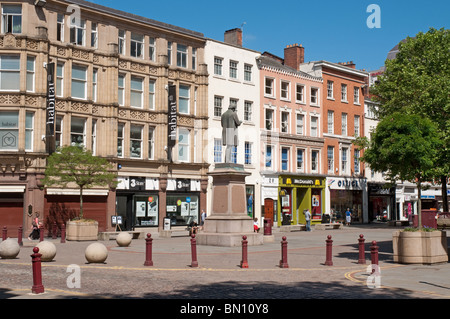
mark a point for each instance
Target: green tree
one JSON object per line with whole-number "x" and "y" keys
{"x": 77, "y": 166}
{"x": 417, "y": 81}
{"x": 405, "y": 147}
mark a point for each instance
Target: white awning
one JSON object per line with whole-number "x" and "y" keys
{"x": 12, "y": 188}
{"x": 86, "y": 192}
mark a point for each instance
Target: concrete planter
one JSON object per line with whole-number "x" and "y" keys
{"x": 81, "y": 230}
{"x": 420, "y": 247}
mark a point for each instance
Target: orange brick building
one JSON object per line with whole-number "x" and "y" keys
{"x": 343, "y": 121}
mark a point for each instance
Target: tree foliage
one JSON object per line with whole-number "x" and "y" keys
{"x": 73, "y": 165}
{"x": 405, "y": 147}
{"x": 417, "y": 82}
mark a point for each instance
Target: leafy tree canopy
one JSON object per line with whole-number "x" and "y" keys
{"x": 404, "y": 146}
{"x": 75, "y": 165}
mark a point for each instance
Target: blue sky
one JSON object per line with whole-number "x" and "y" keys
{"x": 332, "y": 30}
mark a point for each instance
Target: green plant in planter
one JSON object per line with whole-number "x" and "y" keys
{"x": 416, "y": 229}
{"x": 76, "y": 165}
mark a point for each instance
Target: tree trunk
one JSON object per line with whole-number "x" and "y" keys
{"x": 81, "y": 202}
{"x": 419, "y": 204}
{"x": 444, "y": 194}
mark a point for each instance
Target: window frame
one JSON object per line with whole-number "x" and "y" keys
{"x": 8, "y": 23}
{"x": 76, "y": 31}
{"x": 10, "y": 130}
{"x": 184, "y": 98}
{"x": 271, "y": 87}
{"x": 31, "y": 74}
{"x": 184, "y": 145}
{"x": 134, "y": 128}
{"x": 137, "y": 94}
{"x": 79, "y": 80}
{"x": 137, "y": 42}
{"x": 218, "y": 67}
{"x": 182, "y": 55}
{"x": 73, "y": 133}
{"x": 4, "y": 71}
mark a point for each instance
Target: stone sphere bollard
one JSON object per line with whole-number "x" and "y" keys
{"x": 47, "y": 249}
{"x": 96, "y": 253}
{"x": 9, "y": 249}
{"x": 124, "y": 239}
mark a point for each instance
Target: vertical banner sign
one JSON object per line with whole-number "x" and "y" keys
{"x": 172, "y": 121}
{"x": 50, "y": 112}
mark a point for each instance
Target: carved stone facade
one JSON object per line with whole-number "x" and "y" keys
{"x": 112, "y": 70}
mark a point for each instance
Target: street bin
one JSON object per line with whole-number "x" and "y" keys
{"x": 167, "y": 223}
{"x": 429, "y": 219}
{"x": 267, "y": 227}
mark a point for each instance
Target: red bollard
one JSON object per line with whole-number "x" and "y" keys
{"x": 148, "y": 250}
{"x": 329, "y": 261}
{"x": 374, "y": 255}
{"x": 4, "y": 233}
{"x": 194, "y": 251}
{"x": 54, "y": 231}
{"x": 362, "y": 257}
{"x": 244, "y": 262}
{"x": 41, "y": 233}
{"x": 283, "y": 261}
{"x": 63, "y": 233}
{"x": 37, "y": 288}
{"x": 19, "y": 236}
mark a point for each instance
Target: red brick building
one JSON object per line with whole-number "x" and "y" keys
{"x": 343, "y": 121}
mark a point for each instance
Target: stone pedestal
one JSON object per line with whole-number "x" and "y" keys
{"x": 228, "y": 220}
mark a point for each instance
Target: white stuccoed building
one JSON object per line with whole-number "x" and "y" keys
{"x": 234, "y": 79}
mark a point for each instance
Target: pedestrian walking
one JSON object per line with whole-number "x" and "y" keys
{"x": 308, "y": 219}
{"x": 202, "y": 218}
{"x": 35, "y": 231}
{"x": 348, "y": 217}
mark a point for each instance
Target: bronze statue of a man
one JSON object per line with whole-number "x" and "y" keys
{"x": 230, "y": 124}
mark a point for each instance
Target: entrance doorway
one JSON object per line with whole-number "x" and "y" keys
{"x": 269, "y": 209}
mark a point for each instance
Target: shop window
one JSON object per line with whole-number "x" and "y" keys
{"x": 146, "y": 210}
{"x": 182, "y": 209}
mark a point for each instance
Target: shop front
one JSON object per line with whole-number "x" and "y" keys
{"x": 381, "y": 203}
{"x": 298, "y": 193}
{"x": 12, "y": 208}
{"x": 137, "y": 202}
{"x": 343, "y": 193}
{"x": 183, "y": 201}
{"x": 269, "y": 195}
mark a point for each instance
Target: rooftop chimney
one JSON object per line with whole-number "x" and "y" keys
{"x": 233, "y": 36}
{"x": 350, "y": 64}
{"x": 294, "y": 55}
